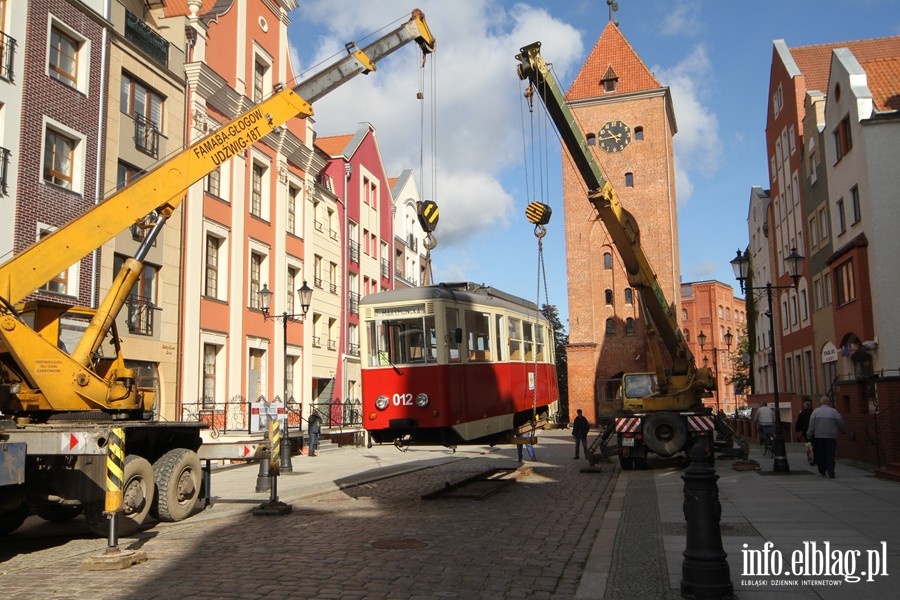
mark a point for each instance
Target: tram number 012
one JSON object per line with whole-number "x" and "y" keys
{"x": 402, "y": 400}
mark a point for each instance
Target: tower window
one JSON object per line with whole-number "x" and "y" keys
{"x": 638, "y": 133}
{"x": 629, "y": 179}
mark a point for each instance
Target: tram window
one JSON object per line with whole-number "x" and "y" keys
{"x": 539, "y": 343}
{"x": 529, "y": 341}
{"x": 515, "y": 339}
{"x": 453, "y": 338}
{"x": 499, "y": 330}
{"x": 402, "y": 341}
{"x": 478, "y": 330}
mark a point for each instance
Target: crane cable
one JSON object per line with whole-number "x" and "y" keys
{"x": 427, "y": 212}
{"x": 538, "y": 213}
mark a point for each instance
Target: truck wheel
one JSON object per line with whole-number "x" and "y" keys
{"x": 137, "y": 497}
{"x": 57, "y": 513}
{"x": 177, "y": 475}
{"x": 13, "y": 519}
{"x": 665, "y": 433}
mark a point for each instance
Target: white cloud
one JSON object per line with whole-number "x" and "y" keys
{"x": 683, "y": 20}
{"x": 477, "y": 98}
{"x": 698, "y": 145}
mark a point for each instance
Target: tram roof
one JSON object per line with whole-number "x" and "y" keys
{"x": 460, "y": 291}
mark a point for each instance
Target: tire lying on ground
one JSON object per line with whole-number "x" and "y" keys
{"x": 177, "y": 474}
{"x": 58, "y": 513}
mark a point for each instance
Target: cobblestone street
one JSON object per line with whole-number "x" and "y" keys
{"x": 531, "y": 539}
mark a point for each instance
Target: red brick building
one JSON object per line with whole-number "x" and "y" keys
{"x": 710, "y": 308}
{"x": 607, "y": 333}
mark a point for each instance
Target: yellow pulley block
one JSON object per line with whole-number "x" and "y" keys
{"x": 428, "y": 214}
{"x": 538, "y": 213}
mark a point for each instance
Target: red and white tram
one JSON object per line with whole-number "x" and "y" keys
{"x": 454, "y": 363}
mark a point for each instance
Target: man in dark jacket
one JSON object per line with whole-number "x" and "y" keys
{"x": 580, "y": 428}
{"x": 803, "y": 421}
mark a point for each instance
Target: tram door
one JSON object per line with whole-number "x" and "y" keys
{"x": 456, "y": 388}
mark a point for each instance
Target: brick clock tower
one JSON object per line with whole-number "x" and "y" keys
{"x": 607, "y": 329}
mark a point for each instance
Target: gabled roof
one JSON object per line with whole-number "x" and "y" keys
{"x": 814, "y": 62}
{"x": 334, "y": 145}
{"x": 611, "y": 53}
{"x": 210, "y": 10}
{"x": 883, "y": 78}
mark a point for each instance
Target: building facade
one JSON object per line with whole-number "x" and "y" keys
{"x": 710, "y": 313}
{"x": 607, "y": 331}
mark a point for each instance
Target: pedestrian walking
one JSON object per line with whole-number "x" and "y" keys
{"x": 825, "y": 423}
{"x": 315, "y": 427}
{"x": 580, "y": 429}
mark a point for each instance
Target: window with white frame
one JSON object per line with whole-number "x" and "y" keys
{"x": 211, "y": 266}
{"x": 293, "y": 201}
{"x": 67, "y": 281}
{"x": 256, "y": 189}
{"x": 262, "y": 77}
{"x": 258, "y": 269}
{"x": 68, "y": 55}
{"x": 59, "y": 158}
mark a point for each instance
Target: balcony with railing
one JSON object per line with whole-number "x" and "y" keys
{"x": 385, "y": 269}
{"x": 353, "y": 349}
{"x": 4, "y": 171}
{"x": 7, "y": 52}
{"x": 316, "y": 341}
{"x": 332, "y": 287}
{"x": 354, "y": 252}
{"x": 317, "y": 281}
{"x": 354, "y": 303}
{"x": 413, "y": 242}
{"x": 332, "y": 344}
{"x": 146, "y": 136}
{"x": 140, "y": 315}
{"x": 333, "y": 234}
{"x": 141, "y": 35}
{"x": 317, "y": 225}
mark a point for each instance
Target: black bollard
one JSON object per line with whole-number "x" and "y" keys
{"x": 704, "y": 571}
{"x": 263, "y": 481}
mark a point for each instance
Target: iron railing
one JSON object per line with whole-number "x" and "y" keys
{"x": 7, "y": 52}
{"x": 140, "y": 315}
{"x": 4, "y": 171}
{"x": 354, "y": 252}
{"x": 146, "y": 136}
{"x": 142, "y": 36}
{"x": 354, "y": 303}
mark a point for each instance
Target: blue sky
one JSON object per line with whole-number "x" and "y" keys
{"x": 714, "y": 55}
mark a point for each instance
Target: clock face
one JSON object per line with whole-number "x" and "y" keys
{"x": 614, "y": 136}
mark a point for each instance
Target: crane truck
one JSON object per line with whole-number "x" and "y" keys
{"x": 61, "y": 397}
{"x": 659, "y": 412}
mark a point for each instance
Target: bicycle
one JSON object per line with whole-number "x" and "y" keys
{"x": 766, "y": 444}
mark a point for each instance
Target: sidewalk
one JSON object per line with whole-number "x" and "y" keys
{"x": 836, "y": 529}
{"x": 233, "y": 488}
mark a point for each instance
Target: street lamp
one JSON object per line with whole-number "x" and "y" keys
{"x": 265, "y": 300}
{"x": 741, "y": 266}
{"x": 701, "y": 339}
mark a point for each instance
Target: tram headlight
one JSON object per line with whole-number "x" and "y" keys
{"x": 381, "y": 402}
{"x": 422, "y": 400}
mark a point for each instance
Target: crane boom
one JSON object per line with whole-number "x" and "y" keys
{"x": 681, "y": 384}
{"x": 162, "y": 188}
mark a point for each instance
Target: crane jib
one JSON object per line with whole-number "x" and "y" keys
{"x": 232, "y": 139}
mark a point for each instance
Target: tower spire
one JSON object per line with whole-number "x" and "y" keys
{"x": 613, "y": 7}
